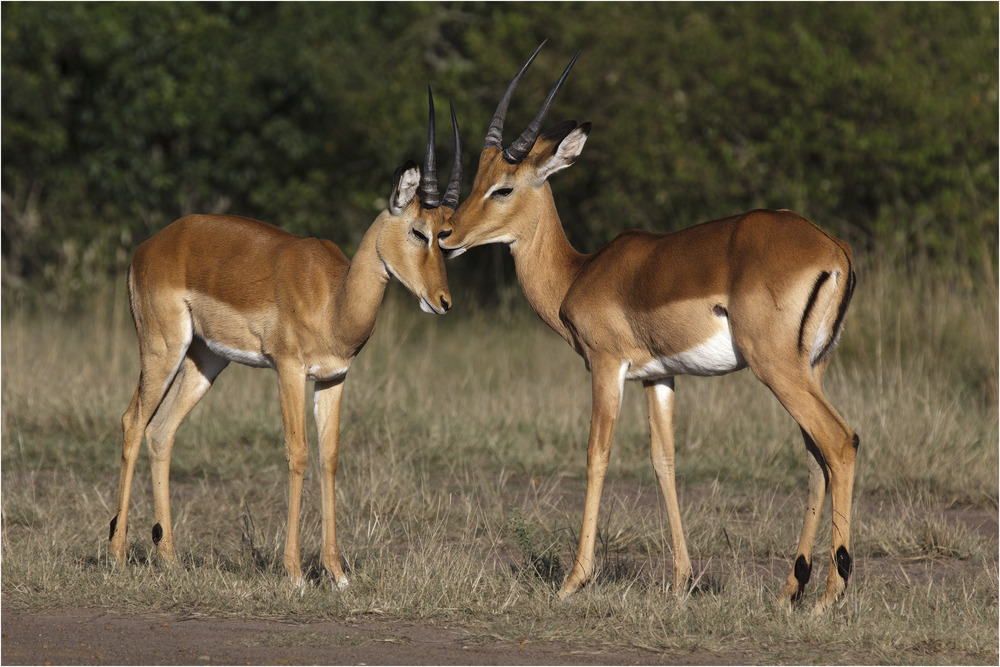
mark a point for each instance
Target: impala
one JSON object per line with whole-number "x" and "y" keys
{"x": 766, "y": 290}
{"x": 210, "y": 289}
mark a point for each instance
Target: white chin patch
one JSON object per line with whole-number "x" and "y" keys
{"x": 454, "y": 253}
{"x": 426, "y": 306}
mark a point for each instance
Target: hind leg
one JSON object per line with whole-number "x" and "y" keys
{"x": 197, "y": 373}
{"x": 834, "y": 447}
{"x": 164, "y": 331}
{"x": 818, "y": 483}
{"x": 159, "y": 368}
{"x": 660, "y": 404}
{"x": 798, "y": 578}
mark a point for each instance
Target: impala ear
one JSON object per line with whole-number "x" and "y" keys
{"x": 566, "y": 151}
{"x": 404, "y": 187}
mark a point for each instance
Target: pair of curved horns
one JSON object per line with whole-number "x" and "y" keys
{"x": 429, "y": 195}
{"x": 522, "y": 145}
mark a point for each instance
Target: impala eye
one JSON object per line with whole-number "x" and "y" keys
{"x": 420, "y": 235}
{"x": 502, "y": 192}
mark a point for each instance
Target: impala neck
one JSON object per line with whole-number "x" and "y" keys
{"x": 546, "y": 263}
{"x": 360, "y": 296}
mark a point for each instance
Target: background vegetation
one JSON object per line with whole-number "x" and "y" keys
{"x": 877, "y": 121}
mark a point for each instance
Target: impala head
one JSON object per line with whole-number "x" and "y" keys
{"x": 510, "y": 186}
{"x": 415, "y": 223}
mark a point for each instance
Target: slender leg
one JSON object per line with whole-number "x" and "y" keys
{"x": 802, "y": 569}
{"x": 837, "y": 445}
{"x": 818, "y": 482}
{"x": 327, "y": 406}
{"x": 160, "y": 359}
{"x": 607, "y": 378}
{"x": 292, "y": 389}
{"x": 660, "y": 403}
{"x": 199, "y": 370}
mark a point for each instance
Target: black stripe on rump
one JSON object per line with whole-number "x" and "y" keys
{"x": 839, "y": 322}
{"x": 823, "y": 277}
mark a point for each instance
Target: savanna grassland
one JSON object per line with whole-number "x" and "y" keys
{"x": 461, "y": 482}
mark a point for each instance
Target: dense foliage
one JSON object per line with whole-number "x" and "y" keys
{"x": 877, "y": 121}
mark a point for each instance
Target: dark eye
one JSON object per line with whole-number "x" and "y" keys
{"x": 420, "y": 235}
{"x": 502, "y": 192}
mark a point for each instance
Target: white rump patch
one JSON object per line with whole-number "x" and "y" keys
{"x": 823, "y": 333}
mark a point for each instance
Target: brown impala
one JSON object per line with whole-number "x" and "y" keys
{"x": 210, "y": 289}
{"x": 766, "y": 290}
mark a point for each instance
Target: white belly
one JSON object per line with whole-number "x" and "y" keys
{"x": 247, "y": 358}
{"x": 327, "y": 372}
{"x": 716, "y": 356}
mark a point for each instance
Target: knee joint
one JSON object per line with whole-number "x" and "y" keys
{"x": 297, "y": 463}
{"x": 159, "y": 448}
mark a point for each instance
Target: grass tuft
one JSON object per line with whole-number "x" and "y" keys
{"x": 543, "y": 562}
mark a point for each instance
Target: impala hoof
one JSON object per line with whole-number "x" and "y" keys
{"x": 827, "y": 602}
{"x": 569, "y": 588}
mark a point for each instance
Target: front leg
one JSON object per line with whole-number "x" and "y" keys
{"x": 292, "y": 389}
{"x": 327, "y": 406}
{"x": 608, "y": 378}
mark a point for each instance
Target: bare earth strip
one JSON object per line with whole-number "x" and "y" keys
{"x": 93, "y": 636}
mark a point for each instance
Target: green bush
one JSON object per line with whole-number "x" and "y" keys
{"x": 877, "y": 121}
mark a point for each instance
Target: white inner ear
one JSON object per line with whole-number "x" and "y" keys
{"x": 567, "y": 153}
{"x": 405, "y": 191}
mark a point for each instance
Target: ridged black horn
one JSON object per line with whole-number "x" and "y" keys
{"x": 429, "y": 195}
{"x": 455, "y": 183}
{"x": 494, "y": 136}
{"x": 522, "y": 146}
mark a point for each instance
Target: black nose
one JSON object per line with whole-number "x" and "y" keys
{"x": 445, "y": 304}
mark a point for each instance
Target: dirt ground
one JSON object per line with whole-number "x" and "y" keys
{"x": 86, "y": 636}
{"x": 94, "y": 636}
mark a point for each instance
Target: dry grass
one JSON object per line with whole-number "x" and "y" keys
{"x": 462, "y": 466}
